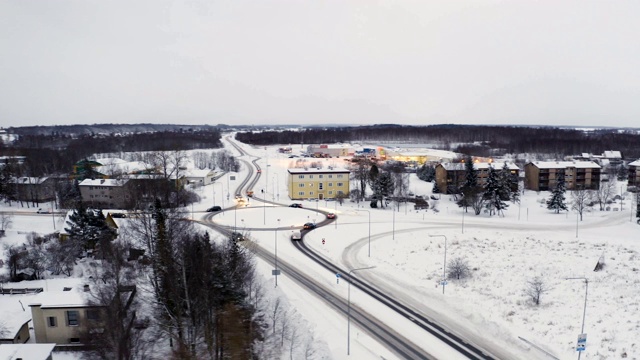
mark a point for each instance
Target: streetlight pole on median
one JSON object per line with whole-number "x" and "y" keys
{"x": 349, "y": 306}
{"x": 584, "y": 311}
{"x": 276, "y": 258}
{"x": 444, "y": 265}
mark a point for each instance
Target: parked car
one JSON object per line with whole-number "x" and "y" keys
{"x": 214, "y": 209}
{"x": 118, "y": 215}
{"x": 331, "y": 216}
{"x": 309, "y": 226}
{"x": 250, "y": 193}
{"x": 296, "y": 235}
{"x": 295, "y": 205}
{"x": 43, "y": 211}
{"x": 236, "y": 236}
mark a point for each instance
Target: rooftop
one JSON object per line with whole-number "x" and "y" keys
{"x": 326, "y": 170}
{"x": 26, "y": 351}
{"x": 566, "y": 164}
{"x": 60, "y": 299}
{"x": 103, "y": 182}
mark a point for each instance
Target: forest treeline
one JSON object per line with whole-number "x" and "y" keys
{"x": 56, "y": 152}
{"x": 478, "y": 140}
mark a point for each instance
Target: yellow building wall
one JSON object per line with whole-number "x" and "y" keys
{"x": 318, "y": 186}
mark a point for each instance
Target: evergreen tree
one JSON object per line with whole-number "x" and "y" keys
{"x": 638, "y": 206}
{"x": 426, "y": 173}
{"x": 623, "y": 173}
{"x": 88, "y": 227}
{"x": 374, "y": 172}
{"x": 557, "y": 200}
{"x": 494, "y": 192}
{"x": 471, "y": 192}
{"x": 471, "y": 176}
{"x": 383, "y": 187}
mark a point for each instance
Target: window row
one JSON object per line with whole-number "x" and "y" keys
{"x": 330, "y": 176}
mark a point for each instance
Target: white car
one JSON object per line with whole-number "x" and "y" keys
{"x": 296, "y": 235}
{"x": 43, "y": 211}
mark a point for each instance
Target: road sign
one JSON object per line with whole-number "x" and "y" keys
{"x": 338, "y": 275}
{"x": 582, "y": 342}
{"x": 275, "y": 272}
{"x": 444, "y": 282}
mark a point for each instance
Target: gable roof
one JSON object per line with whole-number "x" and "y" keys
{"x": 26, "y": 351}
{"x": 103, "y": 182}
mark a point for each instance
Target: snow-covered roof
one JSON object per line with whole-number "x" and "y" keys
{"x": 124, "y": 167}
{"x": 12, "y": 317}
{"x": 480, "y": 166}
{"x": 110, "y": 161}
{"x": 60, "y": 299}
{"x": 611, "y": 154}
{"x": 28, "y": 180}
{"x": 198, "y": 172}
{"x": 317, "y": 171}
{"x": 26, "y": 351}
{"x": 635, "y": 163}
{"x": 103, "y": 182}
{"x": 566, "y": 164}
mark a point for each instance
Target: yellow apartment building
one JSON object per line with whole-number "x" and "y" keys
{"x": 314, "y": 183}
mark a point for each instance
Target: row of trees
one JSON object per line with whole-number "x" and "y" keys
{"x": 500, "y": 187}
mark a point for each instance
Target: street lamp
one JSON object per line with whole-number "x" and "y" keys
{"x": 584, "y": 313}
{"x": 277, "y": 186}
{"x": 221, "y": 193}
{"x": 369, "y": 212}
{"x": 444, "y": 266}
{"x": 393, "y": 233}
{"x": 276, "y": 258}
{"x": 349, "y": 305}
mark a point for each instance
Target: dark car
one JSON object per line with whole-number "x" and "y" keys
{"x": 309, "y": 226}
{"x": 118, "y": 215}
{"x": 331, "y": 216}
{"x": 295, "y": 205}
{"x": 236, "y": 236}
{"x": 214, "y": 209}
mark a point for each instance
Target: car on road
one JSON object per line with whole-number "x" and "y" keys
{"x": 295, "y": 205}
{"x": 236, "y": 236}
{"x": 118, "y": 215}
{"x": 259, "y": 171}
{"x": 296, "y": 235}
{"x": 309, "y": 226}
{"x": 250, "y": 193}
{"x": 331, "y": 216}
{"x": 214, "y": 209}
{"x": 43, "y": 211}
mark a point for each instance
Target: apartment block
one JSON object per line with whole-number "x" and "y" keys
{"x": 544, "y": 175}
{"x": 314, "y": 183}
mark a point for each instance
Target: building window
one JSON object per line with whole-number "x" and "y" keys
{"x": 310, "y": 184}
{"x": 310, "y": 176}
{"x": 330, "y": 176}
{"x": 93, "y": 314}
{"x": 339, "y": 176}
{"x": 340, "y": 193}
{"x": 340, "y": 184}
{"x": 330, "y": 192}
{"x": 300, "y": 176}
{"x": 320, "y": 176}
{"x": 73, "y": 318}
{"x": 301, "y": 193}
{"x": 74, "y": 341}
{"x": 320, "y": 186}
{"x": 310, "y": 193}
{"x": 300, "y": 185}
{"x": 52, "y": 321}
{"x": 330, "y": 184}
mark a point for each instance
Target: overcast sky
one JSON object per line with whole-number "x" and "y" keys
{"x": 320, "y": 61}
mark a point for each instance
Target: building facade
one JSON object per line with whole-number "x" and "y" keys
{"x": 314, "y": 183}
{"x": 634, "y": 173}
{"x": 544, "y": 175}
{"x": 451, "y": 176}
{"x": 105, "y": 193}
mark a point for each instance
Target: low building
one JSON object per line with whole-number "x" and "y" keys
{"x": 451, "y": 176}
{"x": 34, "y": 189}
{"x": 315, "y": 183}
{"x": 198, "y": 177}
{"x": 544, "y": 175}
{"x": 634, "y": 173}
{"x": 14, "y": 318}
{"x": 330, "y": 150}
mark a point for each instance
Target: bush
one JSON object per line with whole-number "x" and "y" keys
{"x": 459, "y": 269}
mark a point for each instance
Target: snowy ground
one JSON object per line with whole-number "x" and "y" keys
{"x": 504, "y": 252}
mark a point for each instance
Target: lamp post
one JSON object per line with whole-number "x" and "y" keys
{"x": 221, "y": 193}
{"x": 444, "y": 265}
{"x": 368, "y": 212}
{"x": 584, "y": 311}
{"x": 276, "y": 257}
{"x": 277, "y": 186}
{"x": 393, "y": 232}
{"x": 349, "y": 305}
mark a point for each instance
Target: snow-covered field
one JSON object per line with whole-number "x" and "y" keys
{"x": 490, "y": 306}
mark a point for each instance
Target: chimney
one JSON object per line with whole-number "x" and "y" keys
{"x": 86, "y": 287}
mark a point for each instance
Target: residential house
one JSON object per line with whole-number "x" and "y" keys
{"x": 14, "y": 318}
{"x": 634, "y": 173}
{"x": 66, "y": 317}
{"x": 451, "y": 176}
{"x": 317, "y": 183}
{"x": 544, "y": 175}
{"x": 197, "y": 177}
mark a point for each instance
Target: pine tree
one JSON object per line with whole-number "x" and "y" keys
{"x": 383, "y": 187}
{"x": 88, "y": 227}
{"x": 471, "y": 192}
{"x": 557, "y": 200}
{"x": 471, "y": 176}
{"x": 494, "y": 192}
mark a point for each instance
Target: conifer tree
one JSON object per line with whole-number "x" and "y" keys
{"x": 383, "y": 187}
{"x": 557, "y": 200}
{"x": 494, "y": 192}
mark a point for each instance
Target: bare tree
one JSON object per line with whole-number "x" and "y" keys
{"x": 6, "y": 220}
{"x": 580, "y": 199}
{"x": 535, "y": 288}
{"x": 458, "y": 268}
{"x": 605, "y": 192}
